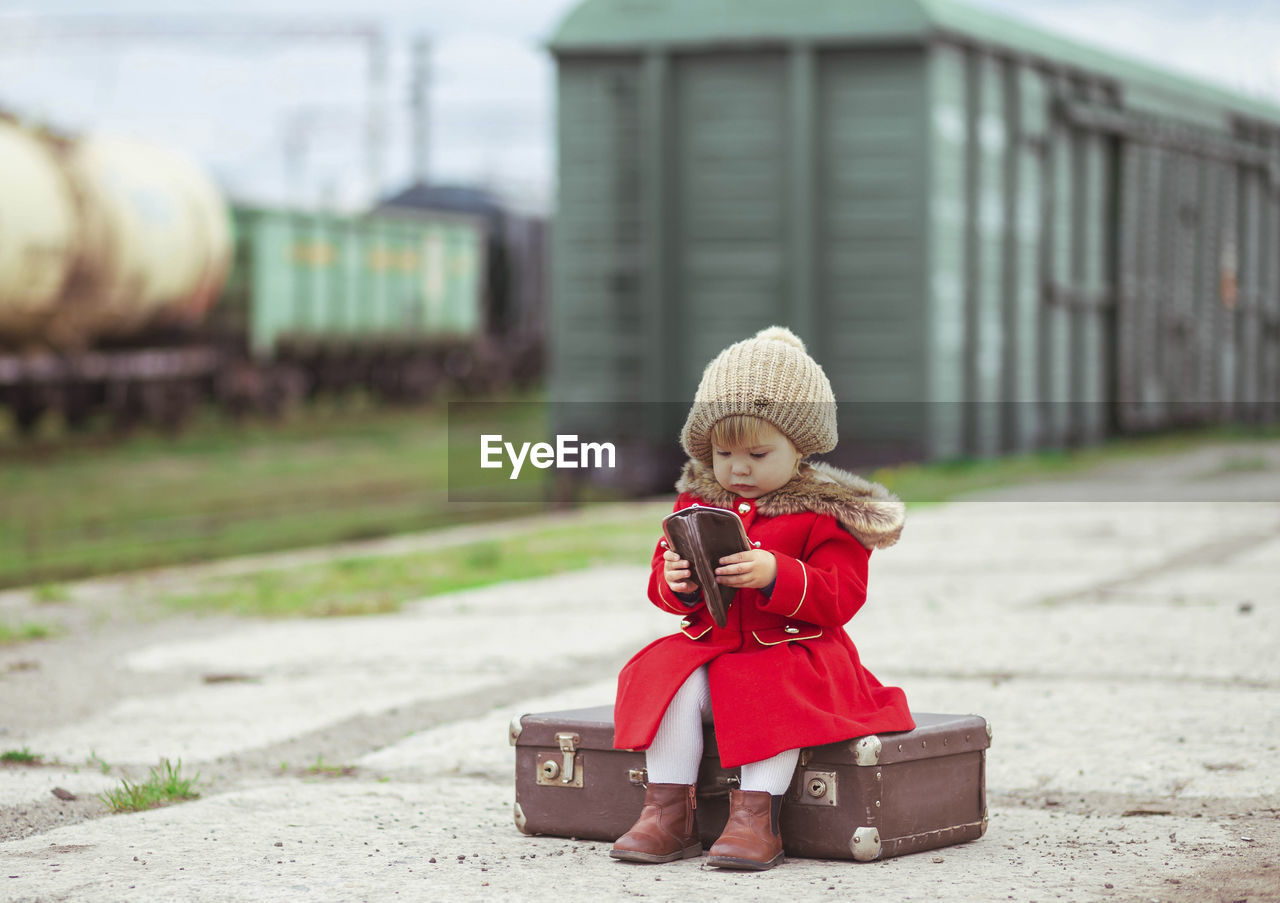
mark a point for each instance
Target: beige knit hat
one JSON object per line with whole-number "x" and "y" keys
{"x": 771, "y": 377}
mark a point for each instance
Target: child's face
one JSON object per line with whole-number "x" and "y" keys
{"x": 757, "y": 469}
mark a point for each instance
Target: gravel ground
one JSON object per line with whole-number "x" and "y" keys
{"x": 1117, "y": 630}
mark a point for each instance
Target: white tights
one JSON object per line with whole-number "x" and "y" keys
{"x": 676, "y": 750}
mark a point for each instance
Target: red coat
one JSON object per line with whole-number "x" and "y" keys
{"x": 783, "y": 672}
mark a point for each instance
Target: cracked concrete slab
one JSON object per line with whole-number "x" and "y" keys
{"x": 1123, "y": 651}
{"x": 333, "y": 841}
{"x": 29, "y": 784}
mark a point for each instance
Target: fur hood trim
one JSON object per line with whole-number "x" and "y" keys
{"x": 872, "y": 514}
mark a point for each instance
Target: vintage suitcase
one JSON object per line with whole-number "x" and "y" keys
{"x": 867, "y": 798}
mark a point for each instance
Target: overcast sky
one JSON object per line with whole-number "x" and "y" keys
{"x": 283, "y": 120}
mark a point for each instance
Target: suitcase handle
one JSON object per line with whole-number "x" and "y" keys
{"x": 721, "y": 784}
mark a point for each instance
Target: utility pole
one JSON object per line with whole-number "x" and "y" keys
{"x": 420, "y": 102}
{"x": 376, "y": 134}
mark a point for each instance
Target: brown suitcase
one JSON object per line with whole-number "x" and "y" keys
{"x": 867, "y": 798}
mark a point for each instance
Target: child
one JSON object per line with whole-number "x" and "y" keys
{"x": 782, "y": 674}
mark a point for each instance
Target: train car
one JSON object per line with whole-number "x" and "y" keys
{"x": 515, "y": 291}
{"x": 129, "y": 285}
{"x": 114, "y": 251}
{"x": 332, "y": 302}
{"x": 110, "y": 238}
{"x": 994, "y": 239}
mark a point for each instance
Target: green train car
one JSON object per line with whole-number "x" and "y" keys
{"x": 994, "y": 239}
{"x": 391, "y": 302}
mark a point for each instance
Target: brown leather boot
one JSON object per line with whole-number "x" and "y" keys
{"x": 751, "y": 838}
{"x": 667, "y": 829}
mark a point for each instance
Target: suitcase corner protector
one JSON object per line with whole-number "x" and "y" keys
{"x": 865, "y": 844}
{"x": 866, "y": 750}
{"x": 521, "y": 823}
{"x": 513, "y": 732}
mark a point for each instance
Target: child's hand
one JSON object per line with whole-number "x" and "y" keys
{"x": 754, "y": 569}
{"x": 676, "y": 570}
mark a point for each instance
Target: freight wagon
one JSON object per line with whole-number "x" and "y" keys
{"x": 515, "y": 271}
{"x": 104, "y": 241}
{"x": 128, "y": 285}
{"x": 994, "y": 239}
{"x": 320, "y": 302}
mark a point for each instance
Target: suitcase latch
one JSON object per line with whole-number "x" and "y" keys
{"x": 817, "y": 788}
{"x": 568, "y": 747}
{"x": 567, "y": 772}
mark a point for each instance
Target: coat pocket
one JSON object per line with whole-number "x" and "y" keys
{"x": 776, "y": 636}
{"x": 697, "y": 625}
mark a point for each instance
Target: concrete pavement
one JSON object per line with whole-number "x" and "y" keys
{"x": 1124, "y": 652}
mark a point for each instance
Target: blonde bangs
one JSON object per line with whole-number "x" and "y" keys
{"x": 738, "y": 431}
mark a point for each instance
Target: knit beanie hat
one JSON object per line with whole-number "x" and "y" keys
{"x": 771, "y": 377}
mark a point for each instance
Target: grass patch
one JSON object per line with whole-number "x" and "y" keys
{"x": 320, "y": 769}
{"x": 380, "y": 584}
{"x": 164, "y": 785}
{"x": 945, "y": 480}
{"x": 922, "y": 484}
{"x": 1235, "y": 464}
{"x": 51, "y": 594}
{"x": 26, "y": 632}
{"x": 22, "y": 756}
{"x": 77, "y": 506}
{"x": 98, "y": 762}
{"x": 80, "y": 506}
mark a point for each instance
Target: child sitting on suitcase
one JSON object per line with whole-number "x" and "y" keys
{"x": 782, "y": 674}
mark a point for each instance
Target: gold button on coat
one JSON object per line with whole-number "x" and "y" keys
{"x": 685, "y": 623}
{"x": 791, "y": 630}
{"x": 744, "y": 508}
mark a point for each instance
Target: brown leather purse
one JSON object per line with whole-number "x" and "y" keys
{"x": 702, "y": 536}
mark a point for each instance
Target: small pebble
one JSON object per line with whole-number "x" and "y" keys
{"x": 62, "y": 793}
{"x": 1247, "y": 839}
